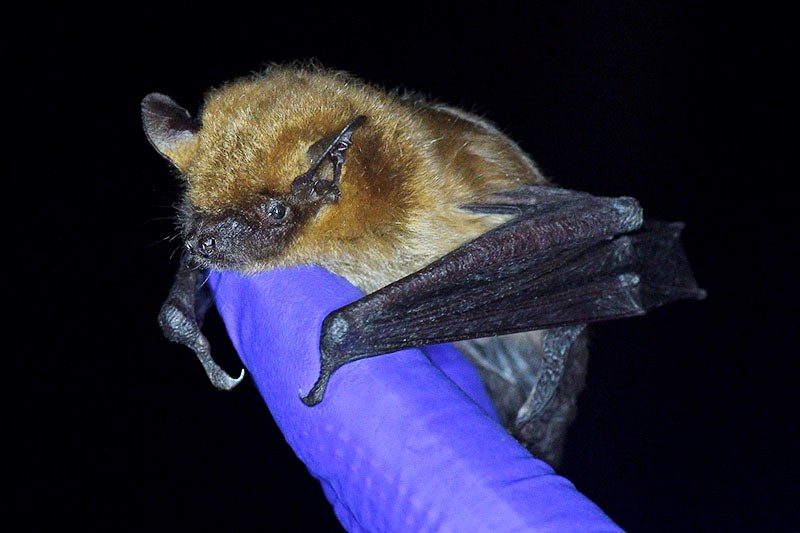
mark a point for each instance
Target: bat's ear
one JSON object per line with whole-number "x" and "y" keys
{"x": 170, "y": 128}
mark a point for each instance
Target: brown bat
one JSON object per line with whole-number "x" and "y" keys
{"x": 444, "y": 221}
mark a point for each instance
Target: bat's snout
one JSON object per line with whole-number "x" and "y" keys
{"x": 214, "y": 241}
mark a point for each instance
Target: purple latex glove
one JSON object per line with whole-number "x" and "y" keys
{"x": 396, "y": 444}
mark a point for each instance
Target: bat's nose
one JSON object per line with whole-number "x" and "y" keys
{"x": 214, "y": 240}
{"x": 202, "y": 246}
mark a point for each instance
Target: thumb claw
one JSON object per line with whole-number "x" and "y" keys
{"x": 221, "y": 379}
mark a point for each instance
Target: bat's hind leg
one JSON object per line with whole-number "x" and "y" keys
{"x": 534, "y": 379}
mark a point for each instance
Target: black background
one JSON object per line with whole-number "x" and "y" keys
{"x": 689, "y": 421}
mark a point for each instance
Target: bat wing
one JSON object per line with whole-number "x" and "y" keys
{"x": 568, "y": 258}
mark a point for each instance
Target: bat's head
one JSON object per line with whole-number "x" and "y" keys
{"x": 272, "y": 161}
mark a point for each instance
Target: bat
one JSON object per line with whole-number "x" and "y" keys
{"x": 450, "y": 229}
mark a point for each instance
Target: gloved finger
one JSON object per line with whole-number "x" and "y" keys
{"x": 461, "y": 372}
{"x": 397, "y": 445}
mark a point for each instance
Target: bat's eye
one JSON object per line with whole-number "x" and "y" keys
{"x": 277, "y": 211}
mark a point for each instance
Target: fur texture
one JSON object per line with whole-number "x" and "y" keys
{"x": 410, "y": 168}
{"x": 409, "y": 173}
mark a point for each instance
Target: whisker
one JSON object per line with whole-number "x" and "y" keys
{"x": 173, "y": 218}
{"x": 172, "y": 255}
{"x": 208, "y": 276}
{"x": 168, "y": 238}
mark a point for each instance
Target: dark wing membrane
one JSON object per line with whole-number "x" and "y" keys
{"x": 567, "y": 258}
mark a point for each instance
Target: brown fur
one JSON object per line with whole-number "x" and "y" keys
{"x": 409, "y": 169}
